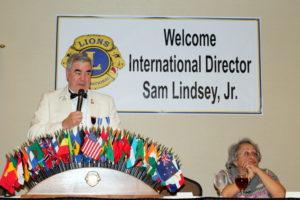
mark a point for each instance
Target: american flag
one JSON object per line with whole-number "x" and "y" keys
{"x": 92, "y": 146}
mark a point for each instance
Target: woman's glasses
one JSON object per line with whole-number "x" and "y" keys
{"x": 248, "y": 154}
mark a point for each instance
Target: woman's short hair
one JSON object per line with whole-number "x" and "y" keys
{"x": 234, "y": 148}
{"x": 81, "y": 57}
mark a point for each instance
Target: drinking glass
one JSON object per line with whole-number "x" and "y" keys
{"x": 241, "y": 182}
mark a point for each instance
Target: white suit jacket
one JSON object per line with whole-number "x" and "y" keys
{"x": 56, "y": 106}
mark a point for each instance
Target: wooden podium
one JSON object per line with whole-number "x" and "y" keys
{"x": 54, "y": 170}
{"x": 92, "y": 182}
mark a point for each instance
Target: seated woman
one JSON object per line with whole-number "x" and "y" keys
{"x": 243, "y": 159}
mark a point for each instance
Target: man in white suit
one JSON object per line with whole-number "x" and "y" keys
{"x": 57, "y": 110}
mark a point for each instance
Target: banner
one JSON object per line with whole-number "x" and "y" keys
{"x": 168, "y": 64}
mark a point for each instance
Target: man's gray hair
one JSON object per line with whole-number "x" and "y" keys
{"x": 81, "y": 57}
{"x": 233, "y": 151}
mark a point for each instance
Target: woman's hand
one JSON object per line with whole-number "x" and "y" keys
{"x": 252, "y": 170}
{"x": 274, "y": 187}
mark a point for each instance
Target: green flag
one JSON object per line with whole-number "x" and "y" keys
{"x": 109, "y": 151}
{"x": 140, "y": 150}
{"x": 37, "y": 152}
{"x": 71, "y": 144}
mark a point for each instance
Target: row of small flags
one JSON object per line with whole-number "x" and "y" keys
{"x": 64, "y": 150}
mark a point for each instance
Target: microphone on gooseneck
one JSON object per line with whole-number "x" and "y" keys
{"x": 80, "y": 99}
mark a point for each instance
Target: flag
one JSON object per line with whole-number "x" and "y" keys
{"x": 78, "y": 140}
{"x": 63, "y": 149}
{"x": 169, "y": 172}
{"x": 14, "y": 160}
{"x": 126, "y": 146}
{"x": 54, "y": 143}
{"x": 175, "y": 182}
{"x": 146, "y": 155}
{"x": 52, "y": 152}
{"x": 9, "y": 177}
{"x": 131, "y": 160}
{"x": 25, "y": 160}
{"x": 152, "y": 161}
{"x": 33, "y": 162}
{"x": 165, "y": 166}
{"x": 71, "y": 143}
{"x": 38, "y": 153}
{"x": 117, "y": 147}
{"x": 139, "y": 155}
{"x": 49, "y": 152}
{"x": 20, "y": 171}
{"x": 91, "y": 146}
{"x": 104, "y": 134}
{"x": 109, "y": 154}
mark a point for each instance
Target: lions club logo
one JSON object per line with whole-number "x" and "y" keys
{"x": 105, "y": 56}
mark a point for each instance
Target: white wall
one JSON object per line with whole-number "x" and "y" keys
{"x": 27, "y": 69}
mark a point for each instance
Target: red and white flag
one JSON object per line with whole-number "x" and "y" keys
{"x": 92, "y": 147}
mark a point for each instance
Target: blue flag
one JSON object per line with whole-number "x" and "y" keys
{"x": 165, "y": 167}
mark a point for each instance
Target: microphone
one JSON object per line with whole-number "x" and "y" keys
{"x": 80, "y": 99}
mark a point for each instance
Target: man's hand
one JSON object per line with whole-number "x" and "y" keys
{"x": 72, "y": 120}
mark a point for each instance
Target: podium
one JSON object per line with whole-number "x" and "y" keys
{"x": 104, "y": 163}
{"x": 92, "y": 182}
{"x": 101, "y": 183}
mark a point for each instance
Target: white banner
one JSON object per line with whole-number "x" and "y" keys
{"x": 168, "y": 64}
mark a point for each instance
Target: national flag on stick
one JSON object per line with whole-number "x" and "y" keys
{"x": 25, "y": 160}
{"x": 118, "y": 150}
{"x": 169, "y": 172}
{"x": 9, "y": 176}
{"x": 63, "y": 149}
{"x": 77, "y": 142}
{"x": 131, "y": 160}
{"x": 91, "y": 146}
{"x": 152, "y": 160}
{"x": 37, "y": 153}
{"x": 20, "y": 170}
